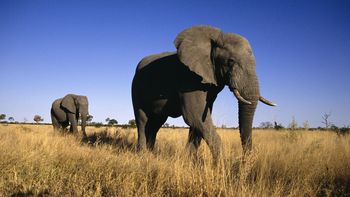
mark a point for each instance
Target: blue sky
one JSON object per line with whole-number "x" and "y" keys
{"x": 50, "y": 48}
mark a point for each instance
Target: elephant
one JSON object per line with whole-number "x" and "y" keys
{"x": 186, "y": 83}
{"x": 66, "y": 110}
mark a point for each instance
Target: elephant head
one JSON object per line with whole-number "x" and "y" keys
{"x": 77, "y": 104}
{"x": 224, "y": 59}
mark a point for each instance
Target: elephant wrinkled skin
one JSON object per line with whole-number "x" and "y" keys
{"x": 65, "y": 111}
{"x": 186, "y": 83}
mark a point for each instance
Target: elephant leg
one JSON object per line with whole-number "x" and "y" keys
{"x": 64, "y": 126}
{"x": 73, "y": 123}
{"x": 194, "y": 140}
{"x": 55, "y": 123}
{"x": 152, "y": 127}
{"x": 213, "y": 140}
{"x": 196, "y": 110}
{"x": 141, "y": 120}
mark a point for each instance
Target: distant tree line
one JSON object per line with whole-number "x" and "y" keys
{"x": 293, "y": 125}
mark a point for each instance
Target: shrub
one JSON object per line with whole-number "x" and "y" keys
{"x": 278, "y": 126}
{"x": 340, "y": 131}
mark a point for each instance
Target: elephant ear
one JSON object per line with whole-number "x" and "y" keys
{"x": 68, "y": 102}
{"x": 194, "y": 47}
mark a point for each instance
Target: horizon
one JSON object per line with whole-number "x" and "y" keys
{"x": 53, "y": 48}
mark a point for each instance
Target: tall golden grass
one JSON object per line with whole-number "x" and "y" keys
{"x": 35, "y": 160}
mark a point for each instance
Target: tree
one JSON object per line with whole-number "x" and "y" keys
{"x": 293, "y": 125}
{"x": 112, "y": 121}
{"x": 132, "y": 123}
{"x": 11, "y": 119}
{"x": 306, "y": 125}
{"x": 326, "y": 121}
{"x": 266, "y": 125}
{"x": 107, "y": 119}
{"x": 38, "y": 119}
{"x": 2, "y": 117}
{"x": 166, "y": 125}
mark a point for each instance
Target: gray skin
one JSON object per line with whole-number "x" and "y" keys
{"x": 65, "y": 111}
{"x": 186, "y": 83}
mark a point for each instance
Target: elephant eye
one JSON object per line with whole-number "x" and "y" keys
{"x": 230, "y": 62}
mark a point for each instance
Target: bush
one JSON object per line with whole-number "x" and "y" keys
{"x": 266, "y": 125}
{"x": 132, "y": 123}
{"x": 278, "y": 126}
{"x": 340, "y": 131}
{"x": 96, "y": 124}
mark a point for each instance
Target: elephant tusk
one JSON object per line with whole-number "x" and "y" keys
{"x": 240, "y": 98}
{"x": 267, "y": 102}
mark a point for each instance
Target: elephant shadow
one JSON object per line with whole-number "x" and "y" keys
{"x": 30, "y": 193}
{"x": 118, "y": 140}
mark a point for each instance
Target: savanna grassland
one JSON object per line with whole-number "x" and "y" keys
{"x": 35, "y": 160}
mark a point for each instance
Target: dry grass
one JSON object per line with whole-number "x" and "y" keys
{"x": 37, "y": 161}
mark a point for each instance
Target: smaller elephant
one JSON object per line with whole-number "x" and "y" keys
{"x": 66, "y": 110}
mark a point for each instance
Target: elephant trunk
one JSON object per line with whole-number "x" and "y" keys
{"x": 245, "y": 117}
{"x": 84, "y": 117}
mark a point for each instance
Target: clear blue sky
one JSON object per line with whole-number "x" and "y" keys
{"x": 50, "y": 48}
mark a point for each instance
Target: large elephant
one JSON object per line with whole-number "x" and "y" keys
{"x": 66, "y": 110}
{"x": 186, "y": 82}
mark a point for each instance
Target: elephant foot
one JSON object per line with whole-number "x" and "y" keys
{"x": 84, "y": 139}
{"x": 217, "y": 156}
{"x": 196, "y": 159}
{"x": 80, "y": 136}
{"x": 83, "y": 134}
{"x": 141, "y": 145}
